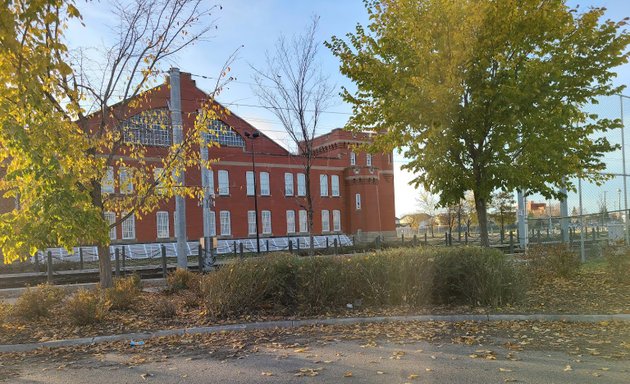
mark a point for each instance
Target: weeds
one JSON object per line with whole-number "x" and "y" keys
{"x": 618, "y": 263}
{"x": 125, "y": 292}
{"x": 38, "y": 302}
{"x": 548, "y": 261}
{"x": 86, "y": 307}
{"x": 181, "y": 279}
{"x": 165, "y": 308}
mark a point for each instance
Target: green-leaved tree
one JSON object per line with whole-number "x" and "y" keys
{"x": 483, "y": 95}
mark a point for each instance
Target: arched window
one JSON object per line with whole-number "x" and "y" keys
{"x": 224, "y": 135}
{"x": 152, "y": 127}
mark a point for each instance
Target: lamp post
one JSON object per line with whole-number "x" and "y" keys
{"x": 252, "y": 137}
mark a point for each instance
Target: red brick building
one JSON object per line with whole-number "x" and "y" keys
{"x": 353, "y": 193}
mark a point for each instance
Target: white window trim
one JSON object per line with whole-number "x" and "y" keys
{"x": 251, "y": 222}
{"x": 325, "y": 221}
{"x": 334, "y": 185}
{"x": 130, "y": 221}
{"x": 213, "y": 223}
{"x": 266, "y": 222}
{"x": 159, "y": 179}
{"x": 265, "y": 187}
{"x": 163, "y": 231}
{"x": 357, "y": 201}
{"x": 368, "y": 159}
{"x": 353, "y": 158}
{"x": 288, "y": 184}
{"x": 336, "y": 220}
{"x": 303, "y": 221}
{"x": 226, "y": 226}
{"x": 301, "y": 187}
{"x": 110, "y": 218}
{"x": 249, "y": 182}
{"x": 224, "y": 183}
{"x": 125, "y": 180}
{"x": 290, "y": 221}
{"x": 107, "y": 183}
{"x": 323, "y": 185}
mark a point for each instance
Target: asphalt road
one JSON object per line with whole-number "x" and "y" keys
{"x": 331, "y": 362}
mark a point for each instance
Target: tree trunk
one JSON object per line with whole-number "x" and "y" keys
{"x": 104, "y": 267}
{"x": 309, "y": 207}
{"x": 480, "y": 206}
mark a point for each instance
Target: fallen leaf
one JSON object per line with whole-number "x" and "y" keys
{"x": 347, "y": 374}
{"x": 504, "y": 370}
{"x": 568, "y": 368}
{"x": 266, "y": 373}
{"x": 412, "y": 376}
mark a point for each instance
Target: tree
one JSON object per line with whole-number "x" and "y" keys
{"x": 294, "y": 89}
{"x": 428, "y": 203}
{"x": 100, "y": 135}
{"x": 483, "y": 95}
{"x": 503, "y": 209}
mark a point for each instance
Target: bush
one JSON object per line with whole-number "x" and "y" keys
{"x": 38, "y": 302}
{"x": 181, "y": 279}
{"x": 165, "y": 308}
{"x": 618, "y": 263}
{"x": 549, "y": 261}
{"x": 86, "y": 307}
{"x": 125, "y": 292}
{"x": 5, "y": 310}
{"x": 285, "y": 284}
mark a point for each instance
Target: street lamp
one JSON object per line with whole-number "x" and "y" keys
{"x": 252, "y": 137}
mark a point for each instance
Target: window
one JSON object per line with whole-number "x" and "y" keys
{"x": 211, "y": 182}
{"x": 149, "y": 128}
{"x": 337, "y": 220}
{"x": 357, "y": 201}
{"x": 213, "y": 223}
{"x": 107, "y": 183}
{"x": 303, "y": 219}
{"x": 288, "y": 184}
{"x": 249, "y": 179}
{"x": 224, "y": 184}
{"x": 353, "y": 158}
{"x": 129, "y": 228}
{"x": 110, "y": 217}
{"x": 323, "y": 185}
{"x": 251, "y": 222}
{"x": 290, "y": 221}
{"x": 224, "y": 135}
{"x": 226, "y": 226}
{"x": 301, "y": 181}
{"x": 334, "y": 185}
{"x": 368, "y": 160}
{"x": 126, "y": 184}
{"x": 158, "y": 174}
{"x": 264, "y": 184}
{"x": 266, "y": 222}
{"x": 325, "y": 221}
{"x": 162, "y": 225}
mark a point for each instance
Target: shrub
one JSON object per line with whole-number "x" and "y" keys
{"x": 181, "y": 279}
{"x": 125, "y": 292}
{"x": 38, "y": 302}
{"x": 86, "y": 307}
{"x": 548, "y": 261}
{"x": 5, "y": 310}
{"x": 165, "y": 308}
{"x": 618, "y": 263}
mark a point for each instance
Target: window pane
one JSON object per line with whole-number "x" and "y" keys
{"x": 126, "y": 184}
{"x": 303, "y": 221}
{"x": 159, "y": 180}
{"x": 251, "y": 222}
{"x": 129, "y": 228}
{"x": 226, "y": 229}
{"x": 107, "y": 184}
{"x": 249, "y": 178}
{"x": 323, "y": 185}
{"x": 334, "y": 184}
{"x": 353, "y": 158}
{"x": 213, "y": 223}
{"x": 151, "y": 127}
{"x": 162, "y": 225}
{"x": 290, "y": 221}
{"x": 221, "y": 133}
{"x": 110, "y": 217}
{"x": 264, "y": 184}
{"x": 336, "y": 220}
{"x": 301, "y": 178}
{"x": 266, "y": 222}
{"x": 358, "y": 201}
{"x": 288, "y": 184}
{"x": 368, "y": 160}
{"x": 224, "y": 183}
{"x": 325, "y": 221}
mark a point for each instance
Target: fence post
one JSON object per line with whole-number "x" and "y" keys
{"x": 327, "y": 244}
{"x": 290, "y": 246}
{"x": 80, "y": 258}
{"x": 267, "y": 245}
{"x": 336, "y": 245}
{"x": 124, "y": 257}
{"x": 538, "y": 234}
{"x": 450, "y": 239}
{"x": 402, "y": 238}
{"x": 235, "y": 250}
{"x": 240, "y": 249}
{"x": 426, "y": 242}
{"x": 466, "y": 237}
{"x": 501, "y": 236}
{"x": 117, "y": 263}
{"x": 37, "y": 261}
{"x": 164, "y": 267}
{"x": 298, "y": 245}
{"x": 200, "y": 254}
{"x": 415, "y": 240}
{"x": 511, "y": 242}
{"x": 49, "y": 263}
{"x": 593, "y": 232}
{"x": 446, "y": 238}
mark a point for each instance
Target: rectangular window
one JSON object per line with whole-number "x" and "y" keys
{"x": 325, "y": 221}
{"x": 226, "y": 225}
{"x": 323, "y": 185}
{"x": 249, "y": 180}
{"x": 368, "y": 160}
{"x": 162, "y": 225}
{"x": 264, "y": 184}
{"x": 213, "y": 223}
{"x": 224, "y": 183}
{"x": 129, "y": 228}
{"x": 301, "y": 181}
{"x": 107, "y": 183}
{"x": 110, "y": 218}
{"x": 303, "y": 221}
{"x": 357, "y": 201}
{"x": 266, "y": 222}
{"x": 334, "y": 185}
{"x": 290, "y": 221}
{"x": 353, "y": 158}
{"x": 288, "y": 184}
{"x": 337, "y": 220}
{"x": 158, "y": 178}
{"x": 126, "y": 183}
{"x": 251, "y": 222}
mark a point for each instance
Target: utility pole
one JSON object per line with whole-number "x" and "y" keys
{"x": 253, "y": 137}
{"x": 522, "y": 218}
{"x": 178, "y": 138}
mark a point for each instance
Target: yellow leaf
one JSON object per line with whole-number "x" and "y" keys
{"x": 347, "y": 374}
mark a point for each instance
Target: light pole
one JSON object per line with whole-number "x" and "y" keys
{"x": 252, "y": 137}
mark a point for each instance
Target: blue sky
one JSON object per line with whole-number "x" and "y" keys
{"x": 255, "y": 25}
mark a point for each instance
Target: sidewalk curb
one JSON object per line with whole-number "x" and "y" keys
{"x": 9, "y": 348}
